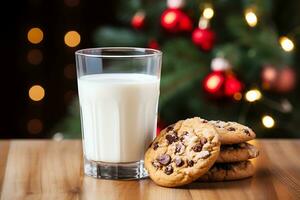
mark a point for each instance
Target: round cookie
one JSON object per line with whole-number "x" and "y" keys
{"x": 237, "y": 152}
{"x": 182, "y": 152}
{"x": 228, "y": 172}
{"x": 233, "y": 132}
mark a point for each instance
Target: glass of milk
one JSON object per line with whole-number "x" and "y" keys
{"x": 118, "y": 94}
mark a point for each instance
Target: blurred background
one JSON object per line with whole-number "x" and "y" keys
{"x": 227, "y": 60}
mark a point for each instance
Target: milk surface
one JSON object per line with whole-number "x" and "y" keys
{"x": 118, "y": 115}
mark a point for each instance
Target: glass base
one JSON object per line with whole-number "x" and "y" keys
{"x": 125, "y": 171}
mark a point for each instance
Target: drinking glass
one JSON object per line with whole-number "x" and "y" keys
{"x": 118, "y": 91}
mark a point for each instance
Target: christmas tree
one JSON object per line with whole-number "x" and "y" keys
{"x": 221, "y": 60}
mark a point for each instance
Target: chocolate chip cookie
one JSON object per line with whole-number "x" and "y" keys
{"x": 237, "y": 152}
{"x": 233, "y": 132}
{"x": 228, "y": 172}
{"x": 182, "y": 152}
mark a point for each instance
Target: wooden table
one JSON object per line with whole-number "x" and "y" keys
{"x": 45, "y": 169}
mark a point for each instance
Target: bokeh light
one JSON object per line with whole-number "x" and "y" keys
{"x": 170, "y": 17}
{"x": 72, "y": 38}
{"x": 208, "y": 12}
{"x": 36, "y": 93}
{"x": 253, "y": 95}
{"x": 251, "y": 18}
{"x": 237, "y": 96}
{"x": 268, "y": 121}
{"x": 286, "y": 43}
{"x": 69, "y": 96}
{"x": 35, "y": 56}
{"x": 71, "y": 3}
{"x": 34, "y": 126}
{"x": 213, "y": 82}
{"x": 69, "y": 71}
{"x": 35, "y": 35}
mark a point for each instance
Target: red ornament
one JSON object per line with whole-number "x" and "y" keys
{"x": 153, "y": 44}
{"x": 279, "y": 80}
{"x": 203, "y": 38}
{"x": 222, "y": 84}
{"x": 213, "y": 83}
{"x": 232, "y": 86}
{"x": 269, "y": 75}
{"x": 286, "y": 80}
{"x": 138, "y": 20}
{"x": 175, "y": 20}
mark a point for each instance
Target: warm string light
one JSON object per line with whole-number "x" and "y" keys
{"x": 72, "y": 38}
{"x": 34, "y": 126}
{"x": 36, "y": 93}
{"x": 268, "y": 121}
{"x": 286, "y": 43}
{"x": 208, "y": 12}
{"x": 35, "y": 35}
{"x": 253, "y": 95}
{"x": 251, "y": 17}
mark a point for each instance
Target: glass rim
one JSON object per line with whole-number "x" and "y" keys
{"x": 153, "y": 52}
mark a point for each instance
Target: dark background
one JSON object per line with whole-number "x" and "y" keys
{"x": 55, "y": 18}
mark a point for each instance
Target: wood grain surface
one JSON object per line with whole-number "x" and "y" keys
{"x": 45, "y": 169}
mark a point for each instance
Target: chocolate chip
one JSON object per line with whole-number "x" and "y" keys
{"x": 169, "y": 170}
{"x": 197, "y": 147}
{"x": 231, "y": 129}
{"x": 172, "y": 138}
{"x": 247, "y": 131}
{"x": 190, "y": 163}
{"x": 170, "y": 128}
{"x": 156, "y": 164}
{"x": 164, "y": 159}
{"x": 178, "y": 148}
{"x": 218, "y": 126}
{"x": 204, "y": 121}
{"x": 203, "y": 140}
{"x": 155, "y": 145}
{"x": 178, "y": 162}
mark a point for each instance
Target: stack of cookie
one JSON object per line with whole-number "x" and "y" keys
{"x": 233, "y": 161}
{"x": 197, "y": 149}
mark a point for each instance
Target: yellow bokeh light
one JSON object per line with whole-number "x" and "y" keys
{"x": 251, "y": 18}
{"x": 72, "y": 38}
{"x": 208, "y": 13}
{"x": 253, "y": 95}
{"x": 268, "y": 121}
{"x": 34, "y": 126}
{"x": 36, "y": 93}
{"x": 35, "y": 35}
{"x": 286, "y": 43}
{"x": 170, "y": 17}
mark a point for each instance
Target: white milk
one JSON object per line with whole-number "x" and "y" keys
{"x": 118, "y": 114}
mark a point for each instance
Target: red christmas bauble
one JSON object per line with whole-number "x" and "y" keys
{"x": 278, "y": 80}
{"x": 138, "y": 20}
{"x": 213, "y": 83}
{"x": 286, "y": 80}
{"x": 175, "y": 20}
{"x": 269, "y": 75}
{"x": 203, "y": 38}
{"x": 232, "y": 86}
{"x": 221, "y": 84}
{"x": 153, "y": 44}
